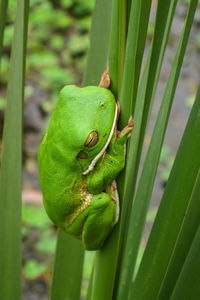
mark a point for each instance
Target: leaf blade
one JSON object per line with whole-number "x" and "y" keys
{"x": 3, "y": 11}
{"x": 182, "y": 248}
{"x": 187, "y": 286}
{"x": 11, "y": 169}
{"x": 100, "y": 33}
{"x": 167, "y": 223}
{"x": 67, "y": 268}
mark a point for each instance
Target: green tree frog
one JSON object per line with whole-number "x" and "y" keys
{"x": 79, "y": 158}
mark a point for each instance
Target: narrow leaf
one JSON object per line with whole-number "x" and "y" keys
{"x": 114, "y": 49}
{"x": 123, "y": 28}
{"x": 99, "y": 42}
{"x": 189, "y": 227}
{"x": 89, "y": 290}
{"x": 11, "y": 166}
{"x": 67, "y": 268}
{"x": 128, "y": 80}
{"x": 162, "y": 17}
{"x": 119, "y": 27}
{"x": 3, "y": 11}
{"x": 168, "y": 222}
{"x": 188, "y": 284}
{"x": 142, "y": 36}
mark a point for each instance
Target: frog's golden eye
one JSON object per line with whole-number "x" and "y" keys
{"x": 82, "y": 155}
{"x": 92, "y": 139}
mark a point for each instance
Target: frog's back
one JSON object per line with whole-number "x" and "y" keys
{"x": 58, "y": 182}
{"x": 79, "y": 112}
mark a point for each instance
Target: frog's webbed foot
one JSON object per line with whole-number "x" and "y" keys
{"x": 113, "y": 192}
{"x": 126, "y": 131}
{"x": 115, "y": 197}
{"x": 105, "y": 80}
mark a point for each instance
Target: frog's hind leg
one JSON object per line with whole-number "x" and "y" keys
{"x": 100, "y": 221}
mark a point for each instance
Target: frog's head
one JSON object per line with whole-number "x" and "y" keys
{"x": 86, "y": 118}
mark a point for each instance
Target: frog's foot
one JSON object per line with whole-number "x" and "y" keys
{"x": 105, "y": 80}
{"x": 115, "y": 197}
{"x": 126, "y": 131}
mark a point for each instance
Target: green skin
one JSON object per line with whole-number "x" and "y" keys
{"x": 79, "y": 200}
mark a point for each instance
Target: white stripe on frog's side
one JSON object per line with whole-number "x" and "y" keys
{"x": 93, "y": 162}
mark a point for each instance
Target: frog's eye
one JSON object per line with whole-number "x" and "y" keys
{"x": 82, "y": 155}
{"x": 92, "y": 139}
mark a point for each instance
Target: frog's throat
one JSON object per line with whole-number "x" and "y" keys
{"x": 96, "y": 158}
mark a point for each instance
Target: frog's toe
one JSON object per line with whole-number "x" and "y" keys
{"x": 105, "y": 80}
{"x": 125, "y": 133}
{"x": 115, "y": 197}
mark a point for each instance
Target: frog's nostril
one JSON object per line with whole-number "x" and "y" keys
{"x": 82, "y": 155}
{"x": 102, "y": 104}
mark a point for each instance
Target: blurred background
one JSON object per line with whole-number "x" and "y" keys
{"x": 58, "y": 40}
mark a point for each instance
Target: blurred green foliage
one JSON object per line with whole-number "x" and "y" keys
{"x": 198, "y": 41}
{"x": 33, "y": 269}
{"x": 57, "y": 46}
{"x": 166, "y": 163}
{"x": 35, "y": 216}
{"x": 190, "y": 100}
{"x": 152, "y": 214}
{"x": 187, "y": 1}
{"x": 39, "y": 235}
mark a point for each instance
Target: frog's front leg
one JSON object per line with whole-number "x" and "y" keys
{"x": 112, "y": 162}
